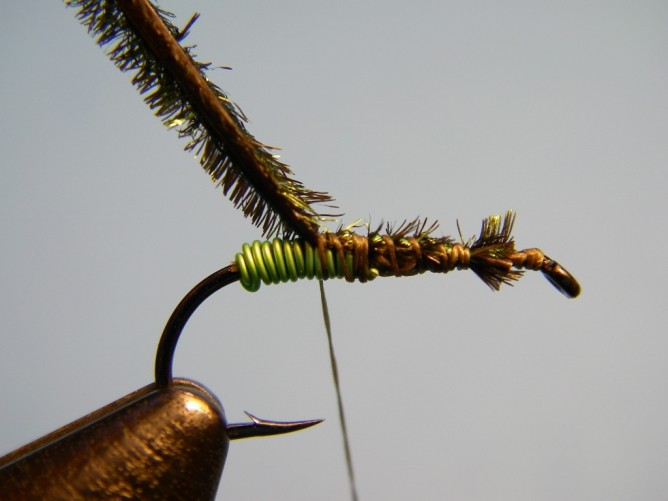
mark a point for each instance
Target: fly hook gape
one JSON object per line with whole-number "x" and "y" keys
{"x": 168, "y": 440}
{"x": 407, "y": 251}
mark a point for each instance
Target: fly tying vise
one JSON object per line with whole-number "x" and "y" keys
{"x": 410, "y": 250}
{"x": 167, "y": 440}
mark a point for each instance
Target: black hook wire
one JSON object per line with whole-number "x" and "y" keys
{"x": 167, "y": 346}
{"x": 180, "y": 316}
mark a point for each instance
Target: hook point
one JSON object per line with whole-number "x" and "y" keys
{"x": 263, "y": 427}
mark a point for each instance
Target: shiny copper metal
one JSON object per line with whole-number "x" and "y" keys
{"x": 152, "y": 444}
{"x": 155, "y": 443}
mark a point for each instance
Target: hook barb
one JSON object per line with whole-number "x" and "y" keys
{"x": 263, "y": 427}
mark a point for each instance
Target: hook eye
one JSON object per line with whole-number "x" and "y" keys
{"x": 560, "y": 278}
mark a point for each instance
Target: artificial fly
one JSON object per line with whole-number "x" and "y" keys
{"x": 409, "y": 250}
{"x": 140, "y": 37}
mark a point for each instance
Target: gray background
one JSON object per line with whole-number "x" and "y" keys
{"x": 451, "y": 110}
